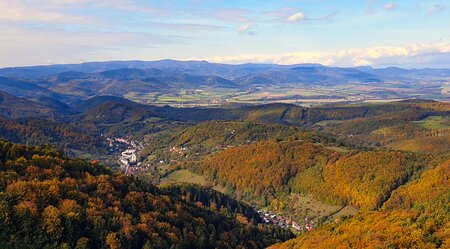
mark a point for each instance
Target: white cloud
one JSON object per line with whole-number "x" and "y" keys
{"x": 125, "y": 6}
{"x": 282, "y": 13}
{"x": 327, "y": 16}
{"x": 290, "y": 15}
{"x": 181, "y": 27}
{"x": 435, "y": 8}
{"x": 390, "y": 6}
{"x": 297, "y": 17}
{"x": 32, "y": 47}
{"x": 246, "y": 29}
{"x": 407, "y": 55}
{"x": 63, "y": 11}
{"x": 15, "y": 11}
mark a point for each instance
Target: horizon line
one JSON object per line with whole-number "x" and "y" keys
{"x": 218, "y": 63}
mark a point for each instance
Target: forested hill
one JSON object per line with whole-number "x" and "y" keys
{"x": 416, "y": 216}
{"x": 48, "y": 200}
{"x": 400, "y": 125}
{"x": 14, "y": 107}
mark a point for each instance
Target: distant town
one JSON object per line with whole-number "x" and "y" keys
{"x": 128, "y": 151}
{"x": 275, "y": 218}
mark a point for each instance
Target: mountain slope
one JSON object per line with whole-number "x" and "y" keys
{"x": 362, "y": 179}
{"x": 193, "y": 67}
{"x": 124, "y": 81}
{"x": 416, "y": 216}
{"x": 14, "y": 107}
{"x": 22, "y": 88}
{"x": 200, "y": 83}
{"x": 308, "y": 76}
{"x": 203, "y": 68}
{"x": 38, "y": 131}
{"x": 49, "y": 200}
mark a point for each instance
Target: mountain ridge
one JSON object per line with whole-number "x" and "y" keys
{"x": 100, "y": 66}
{"x": 201, "y": 83}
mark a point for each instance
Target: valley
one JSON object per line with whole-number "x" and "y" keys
{"x": 294, "y": 124}
{"x": 199, "y": 83}
{"x": 273, "y": 161}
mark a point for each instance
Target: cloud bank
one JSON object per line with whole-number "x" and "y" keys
{"x": 70, "y": 31}
{"x": 413, "y": 55}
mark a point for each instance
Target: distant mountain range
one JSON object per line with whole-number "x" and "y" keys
{"x": 70, "y": 83}
{"x": 357, "y": 174}
{"x": 194, "y": 67}
{"x": 228, "y": 71}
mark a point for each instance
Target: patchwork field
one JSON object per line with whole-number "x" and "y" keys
{"x": 298, "y": 206}
{"x": 306, "y": 206}
{"x": 184, "y": 176}
{"x": 291, "y": 93}
{"x": 424, "y": 144}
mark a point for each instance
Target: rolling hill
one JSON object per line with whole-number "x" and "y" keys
{"x": 416, "y": 216}
{"x": 296, "y": 161}
{"x": 207, "y": 68}
{"x": 200, "y": 83}
{"x": 24, "y": 88}
{"x": 74, "y": 203}
{"x": 14, "y": 107}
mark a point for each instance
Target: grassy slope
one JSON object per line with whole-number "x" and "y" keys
{"x": 416, "y": 216}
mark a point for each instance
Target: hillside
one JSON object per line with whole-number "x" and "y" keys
{"x": 38, "y": 131}
{"x": 338, "y": 167}
{"x": 14, "y": 107}
{"x": 75, "y": 203}
{"x": 309, "y": 75}
{"x": 400, "y": 125}
{"x": 200, "y": 83}
{"x": 212, "y": 124}
{"x": 120, "y": 82}
{"x": 416, "y": 216}
{"x": 24, "y": 88}
{"x": 222, "y": 70}
{"x": 409, "y": 126}
{"x": 113, "y": 112}
{"x": 362, "y": 179}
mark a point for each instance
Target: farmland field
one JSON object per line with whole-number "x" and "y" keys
{"x": 291, "y": 93}
{"x": 435, "y": 123}
{"x": 184, "y": 176}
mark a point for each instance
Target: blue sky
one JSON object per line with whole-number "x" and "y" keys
{"x": 337, "y": 33}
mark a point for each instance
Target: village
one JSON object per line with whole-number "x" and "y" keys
{"x": 129, "y": 162}
{"x": 270, "y": 217}
{"x": 128, "y": 159}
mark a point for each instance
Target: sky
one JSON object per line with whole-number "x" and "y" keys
{"x": 346, "y": 33}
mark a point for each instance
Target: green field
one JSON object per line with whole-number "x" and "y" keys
{"x": 435, "y": 123}
{"x": 184, "y": 176}
{"x": 285, "y": 93}
{"x": 300, "y": 206}
{"x": 328, "y": 123}
{"x": 424, "y": 144}
{"x": 308, "y": 206}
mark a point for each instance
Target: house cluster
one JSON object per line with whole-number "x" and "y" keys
{"x": 116, "y": 145}
{"x": 359, "y": 97}
{"x": 178, "y": 150}
{"x": 270, "y": 217}
{"x": 113, "y": 142}
{"x": 128, "y": 157}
